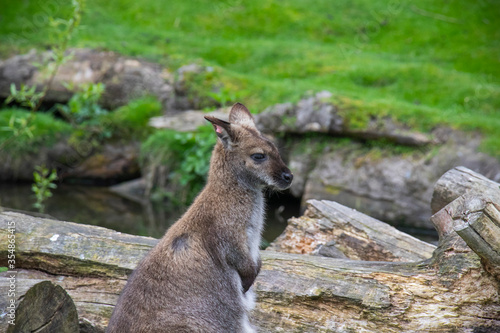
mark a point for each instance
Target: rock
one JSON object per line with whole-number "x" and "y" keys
{"x": 134, "y": 190}
{"x": 302, "y": 157}
{"x": 110, "y": 163}
{"x": 394, "y": 188}
{"x": 317, "y": 114}
{"x": 187, "y": 121}
{"x": 125, "y": 78}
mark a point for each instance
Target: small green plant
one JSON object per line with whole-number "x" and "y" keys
{"x": 186, "y": 157}
{"x": 83, "y": 105}
{"x": 22, "y": 132}
{"x": 43, "y": 186}
{"x": 25, "y": 96}
{"x": 18, "y": 127}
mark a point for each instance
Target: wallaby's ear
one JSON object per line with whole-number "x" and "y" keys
{"x": 240, "y": 115}
{"x": 222, "y": 129}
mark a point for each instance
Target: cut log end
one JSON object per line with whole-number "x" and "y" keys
{"x": 46, "y": 308}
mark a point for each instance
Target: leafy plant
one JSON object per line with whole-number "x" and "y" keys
{"x": 42, "y": 186}
{"x": 83, "y": 105}
{"x": 187, "y": 160}
{"x": 18, "y": 127}
{"x": 26, "y": 96}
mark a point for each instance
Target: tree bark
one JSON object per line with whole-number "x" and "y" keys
{"x": 449, "y": 292}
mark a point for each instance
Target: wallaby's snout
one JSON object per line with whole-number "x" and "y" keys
{"x": 286, "y": 178}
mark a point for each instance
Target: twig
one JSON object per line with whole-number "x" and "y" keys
{"x": 435, "y": 15}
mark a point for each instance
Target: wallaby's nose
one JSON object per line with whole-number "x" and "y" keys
{"x": 287, "y": 176}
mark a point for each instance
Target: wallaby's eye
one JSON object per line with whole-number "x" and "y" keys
{"x": 258, "y": 157}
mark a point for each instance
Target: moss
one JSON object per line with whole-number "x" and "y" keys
{"x": 204, "y": 89}
{"x": 334, "y": 190}
{"x": 289, "y": 121}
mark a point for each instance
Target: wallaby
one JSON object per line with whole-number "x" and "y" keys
{"x": 198, "y": 277}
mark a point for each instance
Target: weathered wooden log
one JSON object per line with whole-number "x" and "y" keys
{"x": 46, "y": 308}
{"x": 457, "y": 182}
{"x": 296, "y": 293}
{"x": 476, "y": 219}
{"x": 87, "y": 250}
{"x": 330, "y": 229}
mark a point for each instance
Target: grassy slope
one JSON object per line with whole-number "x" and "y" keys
{"x": 424, "y": 63}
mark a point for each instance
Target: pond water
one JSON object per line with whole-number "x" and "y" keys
{"x": 97, "y": 205}
{"x": 100, "y": 206}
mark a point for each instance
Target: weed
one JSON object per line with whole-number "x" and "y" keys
{"x": 43, "y": 185}
{"x": 25, "y": 96}
{"x": 186, "y": 157}
{"x": 83, "y": 105}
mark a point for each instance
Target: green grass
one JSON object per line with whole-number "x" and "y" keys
{"x": 131, "y": 121}
{"x": 423, "y": 63}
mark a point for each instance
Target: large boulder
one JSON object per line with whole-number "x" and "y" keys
{"x": 125, "y": 78}
{"x": 395, "y": 188}
{"x": 110, "y": 163}
{"x": 318, "y": 114}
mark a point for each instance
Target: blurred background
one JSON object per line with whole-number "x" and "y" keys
{"x": 370, "y": 102}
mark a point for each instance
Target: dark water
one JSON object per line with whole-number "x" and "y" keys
{"x": 99, "y": 206}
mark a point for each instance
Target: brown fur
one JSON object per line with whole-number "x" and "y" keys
{"x": 197, "y": 278}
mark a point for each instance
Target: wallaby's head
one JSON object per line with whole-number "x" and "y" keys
{"x": 253, "y": 159}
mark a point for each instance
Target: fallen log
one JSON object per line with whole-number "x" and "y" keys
{"x": 330, "y": 229}
{"x": 68, "y": 248}
{"x": 296, "y": 293}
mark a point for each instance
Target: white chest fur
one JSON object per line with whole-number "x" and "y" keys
{"x": 254, "y": 227}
